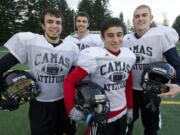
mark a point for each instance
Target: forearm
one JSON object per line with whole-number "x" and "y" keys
{"x": 69, "y": 86}
{"x": 173, "y": 58}
{"x": 129, "y": 94}
{"x": 6, "y": 62}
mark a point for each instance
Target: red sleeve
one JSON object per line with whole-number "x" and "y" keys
{"x": 129, "y": 92}
{"x": 69, "y": 86}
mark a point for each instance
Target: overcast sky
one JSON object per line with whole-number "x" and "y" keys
{"x": 159, "y": 8}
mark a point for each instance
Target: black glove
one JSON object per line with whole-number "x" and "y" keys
{"x": 151, "y": 101}
{"x": 9, "y": 104}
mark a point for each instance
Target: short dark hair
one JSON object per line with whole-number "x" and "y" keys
{"x": 111, "y": 22}
{"x": 50, "y": 11}
{"x": 84, "y": 14}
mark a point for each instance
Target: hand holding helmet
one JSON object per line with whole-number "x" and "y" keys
{"x": 76, "y": 115}
{"x": 18, "y": 87}
{"x": 154, "y": 80}
{"x": 91, "y": 100}
{"x": 156, "y": 76}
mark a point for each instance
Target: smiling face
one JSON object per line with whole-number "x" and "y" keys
{"x": 52, "y": 28}
{"x": 142, "y": 19}
{"x": 82, "y": 24}
{"x": 113, "y": 38}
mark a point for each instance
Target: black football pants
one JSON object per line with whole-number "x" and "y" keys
{"x": 151, "y": 120}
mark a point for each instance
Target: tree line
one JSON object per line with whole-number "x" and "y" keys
{"x": 24, "y": 15}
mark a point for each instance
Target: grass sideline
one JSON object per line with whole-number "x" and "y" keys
{"x": 16, "y": 122}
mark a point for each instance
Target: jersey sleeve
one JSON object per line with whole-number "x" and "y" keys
{"x": 129, "y": 91}
{"x": 69, "y": 87}
{"x": 87, "y": 61}
{"x": 97, "y": 40}
{"x": 76, "y": 55}
{"x": 18, "y": 46}
{"x": 170, "y": 38}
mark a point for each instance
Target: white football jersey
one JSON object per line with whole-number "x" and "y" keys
{"x": 89, "y": 39}
{"x": 48, "y": 64}
{"x": 108, "y": 71}
{"x": 149, "y": 48}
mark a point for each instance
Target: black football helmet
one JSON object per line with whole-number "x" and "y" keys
{"x": 156, "y": 76}
{"x": 19, "y": 85}
{"x": 91, "y": 99}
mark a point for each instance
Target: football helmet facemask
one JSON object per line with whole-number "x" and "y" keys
{"x": 91, "y": 99}
{"x": 156, "y": 76}
{"x": 19, "y": 85}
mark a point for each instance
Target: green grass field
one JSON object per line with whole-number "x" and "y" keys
{"x": 16, "y": 122}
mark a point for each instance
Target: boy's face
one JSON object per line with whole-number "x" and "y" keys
{"x": 113, "y": 38}
{"x": 142, "y": 19}
{"x": 52, "y": 27}
{"x": 82, "y": 24}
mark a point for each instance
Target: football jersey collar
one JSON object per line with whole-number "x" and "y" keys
{"x": 137, "y": 36}
{"x": 114, "y": 53}
{"x": 77, "y": 36}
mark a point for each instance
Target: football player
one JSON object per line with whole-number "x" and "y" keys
{"x": 109, "y": 67}
{"x": 149, "y": 45}
{"x": 84, "y": 38}
{"x": 49, "y": 59}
